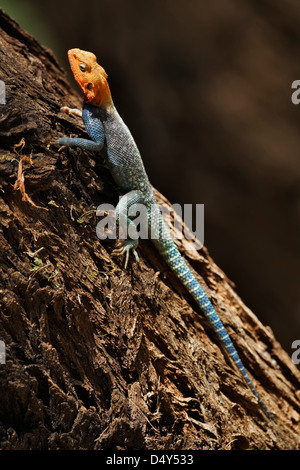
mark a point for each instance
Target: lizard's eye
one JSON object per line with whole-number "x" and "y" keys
{"x": 82, "y": 67}
{"x": 89, "y": 86}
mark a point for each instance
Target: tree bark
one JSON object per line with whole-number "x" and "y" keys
{"x": 98, "y": 357}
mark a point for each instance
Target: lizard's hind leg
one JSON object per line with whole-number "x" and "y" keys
{"x": 129, "y": 235}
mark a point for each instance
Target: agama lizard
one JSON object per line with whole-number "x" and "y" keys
{"x": 106, "y": 128}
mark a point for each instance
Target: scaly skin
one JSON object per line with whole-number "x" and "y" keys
{"x": 105, "y": 127}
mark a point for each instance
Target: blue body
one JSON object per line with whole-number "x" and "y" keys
{"x": 105, "y": 127}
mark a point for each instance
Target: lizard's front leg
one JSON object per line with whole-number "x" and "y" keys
{"x": 71, "y": 111}
{"x": 94, "y": 129}
{"x": 84, "y": 144}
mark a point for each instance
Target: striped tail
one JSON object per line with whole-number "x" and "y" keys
{"x": 167, "y": 248}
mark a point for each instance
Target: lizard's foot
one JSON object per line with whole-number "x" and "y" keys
{"x": 72, "y": 111}
{"x": 125, "y": 248}
{"x": 63, "y": 142}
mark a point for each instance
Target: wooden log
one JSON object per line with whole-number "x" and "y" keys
{"x": 98, "y": 357}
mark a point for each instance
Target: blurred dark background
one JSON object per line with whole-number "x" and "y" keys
{"x": 205, "y": 88}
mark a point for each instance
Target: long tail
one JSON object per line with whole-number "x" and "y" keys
{"x": 167, "y": 248}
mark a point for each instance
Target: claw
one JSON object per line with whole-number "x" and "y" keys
{"x": 63, "y": 143}
{"x": 136, "y": 255}
{"x": 128, "y": 245}
{"x": 72, "y": 111}
{"x": 127, "y": 256}
{"x": 126, "y": 259}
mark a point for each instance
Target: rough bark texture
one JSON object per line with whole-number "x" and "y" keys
{"x": 100, "y": 358}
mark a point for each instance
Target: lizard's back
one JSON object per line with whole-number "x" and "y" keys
{"x": 124, "y": 158}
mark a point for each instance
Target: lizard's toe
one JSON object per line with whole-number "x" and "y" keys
{"x": 125, "y": 249}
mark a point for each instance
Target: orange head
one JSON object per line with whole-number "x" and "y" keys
{"x": 90, "y": 76}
